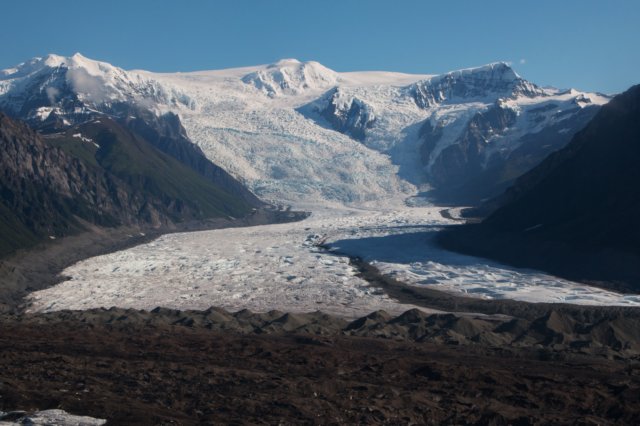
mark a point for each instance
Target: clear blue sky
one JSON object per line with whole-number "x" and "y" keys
{"x": 587, "y": 44}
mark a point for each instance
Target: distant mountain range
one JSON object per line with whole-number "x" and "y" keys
{"x": 575, "y": 214}
{"x": 300, "y": 132}
{"x": 111, "y": 147}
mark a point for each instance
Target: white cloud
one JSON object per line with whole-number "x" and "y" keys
{"x": 90, "y": 86}
{"x": 52, "y": 94}
{"x": 522, "y": 61}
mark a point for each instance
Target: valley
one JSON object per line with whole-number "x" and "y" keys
{"x": 271, "y": 238}
{"x": 362, "y": 151}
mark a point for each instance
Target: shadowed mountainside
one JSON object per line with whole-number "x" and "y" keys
{"x": 96, "y": 173}
{"x": 576, "y": 214}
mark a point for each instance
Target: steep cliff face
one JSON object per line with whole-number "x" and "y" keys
{"x": 456, "y": 162}
{"x": 478, "y": 166}
{"x": 348, "y": 115}
{"x": 98, "y": 173}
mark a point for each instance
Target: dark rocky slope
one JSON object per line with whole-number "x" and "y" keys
{"x": 576, "y": 214}
{"x": 594, "y": 331}
{"x": 96, "y": 173}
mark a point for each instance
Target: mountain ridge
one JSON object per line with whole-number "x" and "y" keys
{"x": 299, "y": 132}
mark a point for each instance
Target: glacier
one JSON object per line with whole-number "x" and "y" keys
{"x": 351, "y": 147}
{"x": 283, "y": 267}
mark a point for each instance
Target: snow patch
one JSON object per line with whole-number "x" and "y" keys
{"x": 49, "y": 418}
{"x": 85, "y": 139}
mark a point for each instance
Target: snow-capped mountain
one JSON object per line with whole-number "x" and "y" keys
{"x": 466, "y": 134}
{"x": 291, "y": 77}
{"x": 300, "y": 132}
{"x": 73, "y": 86}
{"x": 480, "y": 83}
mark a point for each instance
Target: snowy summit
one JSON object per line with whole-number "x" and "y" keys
{"x": 291, "y": 77}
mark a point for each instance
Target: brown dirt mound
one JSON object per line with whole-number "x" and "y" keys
{"x": 613, "y": 335}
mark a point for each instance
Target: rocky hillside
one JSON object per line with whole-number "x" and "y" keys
{"x": 96, "y": 173}
{"x": 576, "y": 213}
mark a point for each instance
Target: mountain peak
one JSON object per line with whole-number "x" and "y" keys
{"x": 74, "y": 83}
{"x": 290, "y": 77}
{"x": 488, "y": 82}
{"x": 52, "y": 61}
{"x": 77, "y": 60}
{"x": 494, "y": 71}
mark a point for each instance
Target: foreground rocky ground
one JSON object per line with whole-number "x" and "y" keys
{"x": 493, "y": 362}
{"x": 172, "y": 367}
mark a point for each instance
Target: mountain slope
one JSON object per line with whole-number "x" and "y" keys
{"x": 576, "y": 213}
{"x": 98, "y": 173}
{"x": 166, "y": 133}
{"x": 41, "y": 188}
